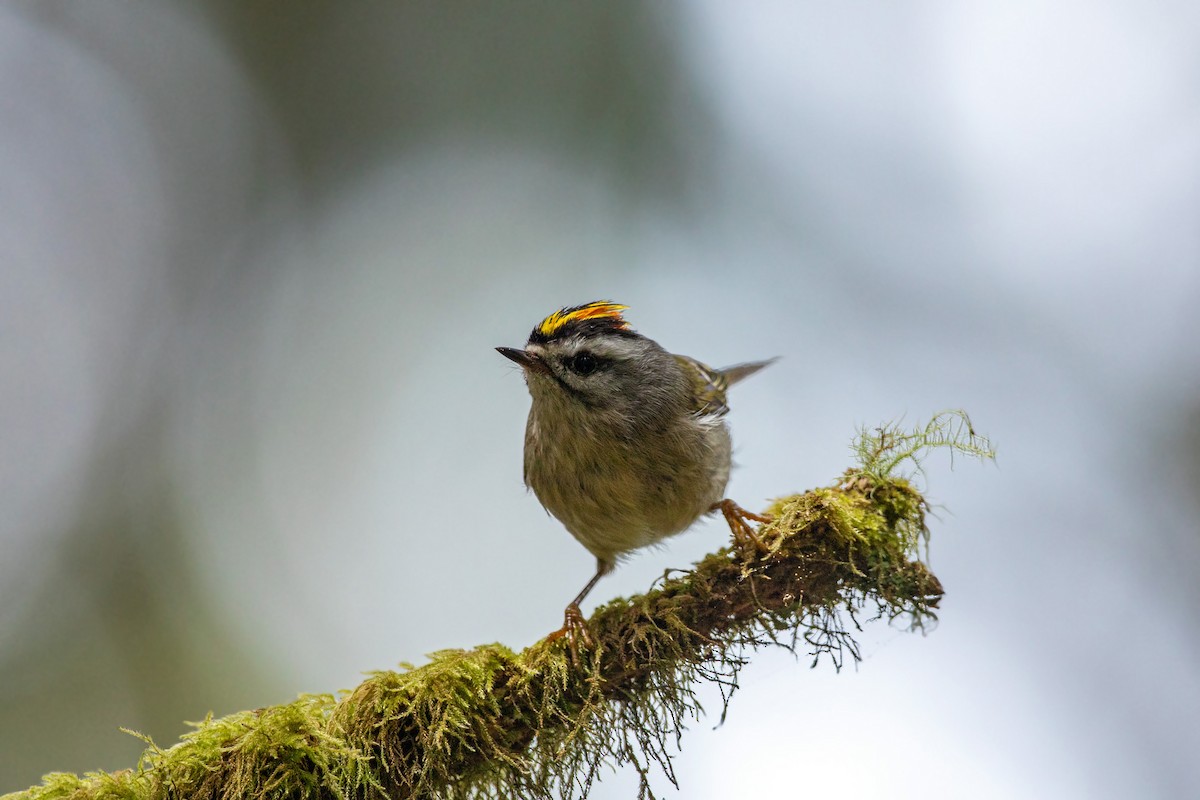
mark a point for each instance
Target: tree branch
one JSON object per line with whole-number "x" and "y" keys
{"x": 540, "y": 723}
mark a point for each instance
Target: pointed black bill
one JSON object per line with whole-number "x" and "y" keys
{"x": 526, "y": 359}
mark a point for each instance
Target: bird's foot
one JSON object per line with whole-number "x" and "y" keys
{"x": 744, "y": 537}
{"x": 575, "y": 630}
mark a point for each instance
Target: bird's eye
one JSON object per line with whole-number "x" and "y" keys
{"x": 583, "y": 364}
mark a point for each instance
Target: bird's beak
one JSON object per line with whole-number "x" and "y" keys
{"x": 526, "y": 359}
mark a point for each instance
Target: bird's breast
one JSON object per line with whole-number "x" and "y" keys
{"x": 616, "y": 492}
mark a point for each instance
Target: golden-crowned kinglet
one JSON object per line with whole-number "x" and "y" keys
{"x": 626, "y": 444}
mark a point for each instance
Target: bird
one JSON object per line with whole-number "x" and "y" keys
{"x": 626, "y": 444}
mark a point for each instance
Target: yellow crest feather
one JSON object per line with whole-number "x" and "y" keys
{"x": 596, "y": 310}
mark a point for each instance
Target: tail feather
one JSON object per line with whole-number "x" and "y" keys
{"x": 739, "y": 371}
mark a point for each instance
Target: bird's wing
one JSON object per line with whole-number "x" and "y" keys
{"x": 711, "y": 385}
{"x": 708, "y": 387}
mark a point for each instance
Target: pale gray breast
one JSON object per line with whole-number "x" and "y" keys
{"x": 618, "y": 494}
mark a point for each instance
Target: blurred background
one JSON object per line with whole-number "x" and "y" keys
{"x": 254, "y": 258}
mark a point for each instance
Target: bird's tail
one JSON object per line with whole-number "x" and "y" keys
{"x": 739, "y": 371}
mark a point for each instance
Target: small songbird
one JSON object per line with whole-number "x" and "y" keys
{"x": 626, "y": 444}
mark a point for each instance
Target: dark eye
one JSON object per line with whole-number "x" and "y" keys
{"x": 583, "y": 364}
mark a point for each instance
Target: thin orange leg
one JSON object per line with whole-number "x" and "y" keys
{"x": 574, "y": 625}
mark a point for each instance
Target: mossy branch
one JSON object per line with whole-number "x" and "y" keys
{"x": 489, "y": 722}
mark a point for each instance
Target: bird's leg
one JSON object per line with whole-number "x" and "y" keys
{"x": 574, "y": 625}
{"x": 738, "y": 518}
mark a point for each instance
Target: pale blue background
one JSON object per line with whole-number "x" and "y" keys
{"x": 254, "y": 260}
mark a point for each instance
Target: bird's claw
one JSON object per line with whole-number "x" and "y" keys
{"x": 575, "y": 630}
{"x": 744, "y": 537}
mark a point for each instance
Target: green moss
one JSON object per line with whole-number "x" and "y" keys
{"x": 493, "y": 723}
{"x": 890, "y": 451}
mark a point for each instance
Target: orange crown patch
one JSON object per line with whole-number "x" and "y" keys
{"x": 600, "y": 309}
